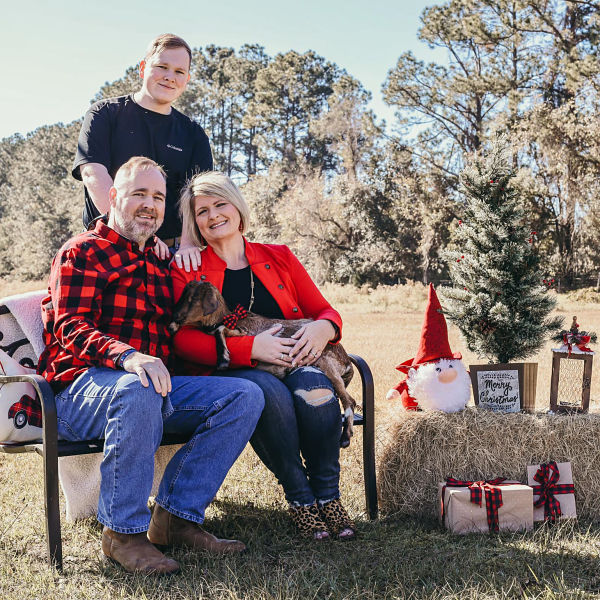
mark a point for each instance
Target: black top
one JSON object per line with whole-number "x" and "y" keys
{"x": 236, "y": 290}
{"x": 116, "y": 129}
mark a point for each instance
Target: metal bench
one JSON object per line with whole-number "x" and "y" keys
{"x": 50, "y": 448}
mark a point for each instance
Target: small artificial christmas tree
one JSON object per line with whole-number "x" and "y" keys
{"x": 498, "y": 300}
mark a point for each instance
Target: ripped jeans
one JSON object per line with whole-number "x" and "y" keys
{"x": 301, "y": 420}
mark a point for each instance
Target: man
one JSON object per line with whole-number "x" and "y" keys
{"x": 146, "y": 124}
{"x": 107, "y": 349}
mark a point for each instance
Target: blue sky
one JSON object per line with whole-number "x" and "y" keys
{"x": 57, "y": 55}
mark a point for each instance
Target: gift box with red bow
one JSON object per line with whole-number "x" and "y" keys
{"x": 485, "y": 506}
{"x": 553, "y": 491}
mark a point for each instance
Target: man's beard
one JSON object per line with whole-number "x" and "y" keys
{"x": 137, "y": 231}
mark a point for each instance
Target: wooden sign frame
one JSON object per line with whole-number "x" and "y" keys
{"x": 527, "y": 381}
{"x": 586, "y": 382}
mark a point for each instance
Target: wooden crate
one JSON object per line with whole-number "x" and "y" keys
{"x": 521, "y": 377}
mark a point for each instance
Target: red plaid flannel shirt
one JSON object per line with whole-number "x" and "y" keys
{"x": 105, "y": 297}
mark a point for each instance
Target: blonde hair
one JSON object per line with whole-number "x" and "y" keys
{"x": 167, "y": 41}
{"x": 137, "y": 163}
{"x": 217, "y": 185}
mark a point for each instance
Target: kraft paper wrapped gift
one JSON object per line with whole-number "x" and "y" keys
{"x": 461, "y": 514}
{"x": 553, "y": 491}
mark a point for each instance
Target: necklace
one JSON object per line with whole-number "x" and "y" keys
{"x": 251, "y": 290}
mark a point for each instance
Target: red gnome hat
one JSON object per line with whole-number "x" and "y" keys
{"x": 434, "y": 345}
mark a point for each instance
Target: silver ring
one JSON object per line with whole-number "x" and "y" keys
{"x": 281, "y": 356}
{"x": 314, "y": 354}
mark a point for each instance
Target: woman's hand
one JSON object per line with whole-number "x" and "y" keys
{"x": 161, "y": 249}
{"x": 311, "y": 340}
{"x": 188, "y": 256}
{"x": 271, "y": 349}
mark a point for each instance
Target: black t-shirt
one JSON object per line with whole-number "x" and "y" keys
{"x": 116, "y": 129}
{"x": 236, "y": 290}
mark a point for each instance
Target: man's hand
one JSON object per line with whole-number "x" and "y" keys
{"x": 149, "y": 366}
{"x": 161, "y": 249}
{"x": 188, "y": 256}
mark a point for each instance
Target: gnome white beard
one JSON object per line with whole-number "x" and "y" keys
{"x": 432, "y": 394}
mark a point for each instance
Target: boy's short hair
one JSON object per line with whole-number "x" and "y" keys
{"x": 167, "y": 41}
{"x": 138, "y": 163}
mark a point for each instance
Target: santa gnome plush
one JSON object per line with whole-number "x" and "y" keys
{"x": 436, "y": 377}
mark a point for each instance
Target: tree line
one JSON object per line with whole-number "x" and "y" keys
{"x": 360, "y": 202}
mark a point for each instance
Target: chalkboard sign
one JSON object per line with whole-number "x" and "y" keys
{"x": 504, "y": 387}
{"x": 499, "y": 390}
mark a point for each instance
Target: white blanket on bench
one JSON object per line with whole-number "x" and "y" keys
{"x": 80, "y": 480}
{"x": 79, "y": 475}
{"x": 25, "y": 308}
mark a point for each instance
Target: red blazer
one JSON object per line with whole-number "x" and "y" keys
{"x": 285, "y": 279}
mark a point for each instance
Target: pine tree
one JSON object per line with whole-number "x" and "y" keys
{"x": 498, "y": 299}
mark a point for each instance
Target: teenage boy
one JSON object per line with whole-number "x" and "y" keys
{"x": 146, "y": 124}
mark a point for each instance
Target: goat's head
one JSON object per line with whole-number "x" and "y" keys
{"x": 201, "y": 304}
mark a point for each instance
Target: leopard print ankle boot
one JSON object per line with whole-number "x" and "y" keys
{"x": 308, "y": 521}
{"x": 337, "y": 519}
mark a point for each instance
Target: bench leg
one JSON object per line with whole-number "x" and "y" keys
{"x": 370, "y": 473}
{"x": 50, "y": 458}
{"x": 49, "y": 454}
{"x": 368, "y": 397}
{"x": 52, "y": 509}
{"x": 369, "y": 460}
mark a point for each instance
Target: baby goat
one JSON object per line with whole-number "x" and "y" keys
{"x": 203, "y": 306}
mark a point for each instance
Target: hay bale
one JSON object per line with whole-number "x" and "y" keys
{"x": 426, "y": 448}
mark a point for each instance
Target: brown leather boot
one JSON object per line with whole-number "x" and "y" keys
{"x": 136, "y": 554}
{"x": 166, "y": 529}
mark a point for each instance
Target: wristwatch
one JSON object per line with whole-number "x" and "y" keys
{"x": 123, "y": 356}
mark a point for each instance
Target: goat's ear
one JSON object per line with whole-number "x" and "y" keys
{"x": 195, "y": 297}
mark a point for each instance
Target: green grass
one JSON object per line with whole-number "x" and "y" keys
{"x": 393, "y": 558}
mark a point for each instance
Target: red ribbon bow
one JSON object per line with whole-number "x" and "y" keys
{"x": 581, "y": 341}
{"x": 231, "y": 320}
{"x": 493, "y": 496}
{"x": 547, "y": 476}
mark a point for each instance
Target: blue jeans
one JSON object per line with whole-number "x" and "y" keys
{"x": 301, "y": 419}
{"x": 218, "y": 414}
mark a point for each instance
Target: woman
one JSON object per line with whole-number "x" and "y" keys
{"x": 302, "y": 418}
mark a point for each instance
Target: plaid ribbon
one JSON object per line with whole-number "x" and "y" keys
{"x": 581, "y": 341}
{"x": 493, "y": 496}
{"x": 547, "y": 476}
{"x": 230, "y": 320}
